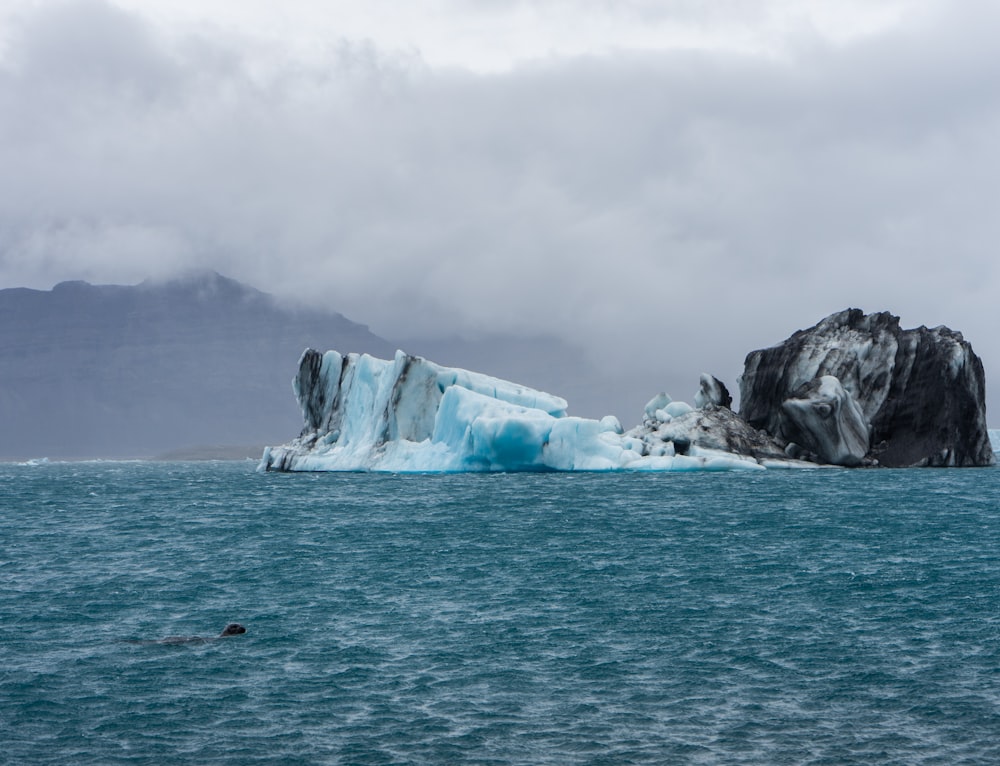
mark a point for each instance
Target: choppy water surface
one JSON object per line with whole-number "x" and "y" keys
{"x": 828, "y": 617}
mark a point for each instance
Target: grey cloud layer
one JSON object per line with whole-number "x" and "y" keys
{"x": 668, "y": 210}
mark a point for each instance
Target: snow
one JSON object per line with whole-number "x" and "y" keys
{"x": 411, "y": 415}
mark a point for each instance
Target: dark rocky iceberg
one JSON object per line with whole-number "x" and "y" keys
{"x": 855, "y": 389}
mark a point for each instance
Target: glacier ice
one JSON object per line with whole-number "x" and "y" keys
{"x": 855, "y": 390}
{"x": 919, "y": 394}
{"x": 411, "y": 415}
{"x": 711, "y": 390}
{"x": 826, "y": 419}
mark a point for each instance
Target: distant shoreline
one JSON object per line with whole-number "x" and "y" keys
{"x": 183, "y": 454}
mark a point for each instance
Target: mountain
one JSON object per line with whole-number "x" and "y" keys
{"x": 115, "y": 371}
{"x": 136, "y": 371}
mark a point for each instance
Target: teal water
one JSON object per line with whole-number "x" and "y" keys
{"x": 822, "y": 617}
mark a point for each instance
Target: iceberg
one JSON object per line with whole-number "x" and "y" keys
{"x": 827, "y": 420}
{"x": 854, "y": 390}
{"x": 410, "y": 415}
{"x": 857, "y": 389}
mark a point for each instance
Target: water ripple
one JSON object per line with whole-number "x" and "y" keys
{"x": 827, "y": 617}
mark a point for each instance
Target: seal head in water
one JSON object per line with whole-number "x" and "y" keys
{"x": 232, "y": 629}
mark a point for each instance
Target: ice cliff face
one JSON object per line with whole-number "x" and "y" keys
{"x": 856, "y": 389}
{"x": 828, "y": 421}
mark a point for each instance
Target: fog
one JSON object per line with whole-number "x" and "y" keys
{"x": 664, "y": 207}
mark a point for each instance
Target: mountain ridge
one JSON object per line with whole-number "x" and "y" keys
{"x": 133, "y": 371}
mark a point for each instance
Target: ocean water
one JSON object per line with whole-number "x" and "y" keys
{"x": 820, "y": 617}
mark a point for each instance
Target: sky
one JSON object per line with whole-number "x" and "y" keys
{"x": 666, "y": 184}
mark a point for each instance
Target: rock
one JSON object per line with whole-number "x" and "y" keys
{"x": 922, "y": 391}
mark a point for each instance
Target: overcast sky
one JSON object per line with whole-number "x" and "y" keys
{"x": 667, "y": 183}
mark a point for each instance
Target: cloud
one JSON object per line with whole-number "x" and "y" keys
{"x": 669, "y": 210}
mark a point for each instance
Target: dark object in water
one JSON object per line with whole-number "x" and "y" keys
{"x": 232, "y": 629}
